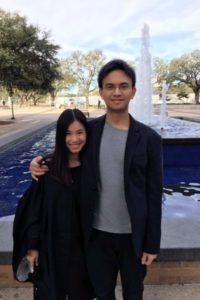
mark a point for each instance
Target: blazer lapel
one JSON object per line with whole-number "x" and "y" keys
{"x": 133, "y": 139}
{"x": 96, "y": 142}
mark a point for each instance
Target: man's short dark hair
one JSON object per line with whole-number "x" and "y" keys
{"x": 114, "y": 65}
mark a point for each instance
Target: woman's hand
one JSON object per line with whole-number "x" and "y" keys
{"x": 32, "y": 257}
{"x": 36, "y": 168}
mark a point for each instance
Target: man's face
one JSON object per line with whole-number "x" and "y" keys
{"x": 117, "y": 91}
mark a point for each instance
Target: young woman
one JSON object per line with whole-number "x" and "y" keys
{"x": 46, "y": 226}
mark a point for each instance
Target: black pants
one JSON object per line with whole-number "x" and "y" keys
{"x": 79, "y": 286}
{"x": 108, "y": 254}
{"x": 74, "y": 277}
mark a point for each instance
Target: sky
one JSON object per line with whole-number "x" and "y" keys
{"x": 114, "y": 26}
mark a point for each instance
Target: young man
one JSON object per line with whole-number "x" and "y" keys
{"x": 120, "y": 207}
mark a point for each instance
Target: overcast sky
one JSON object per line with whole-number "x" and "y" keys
{"x": 114, "y": 26}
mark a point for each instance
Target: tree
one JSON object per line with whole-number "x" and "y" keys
{"x": 182, "y": 95}
{"x": 84, "y": 68}
{"x": 186, "y": 69}
{"x": 27, "y": 58}
{"x": 161, "y": 72}
{"x": 65, "y": 82}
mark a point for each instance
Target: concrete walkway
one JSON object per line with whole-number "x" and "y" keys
{"x": 31, "y": 119}
{"x": 152, "y": 292}
{"x": 27, "y": 120}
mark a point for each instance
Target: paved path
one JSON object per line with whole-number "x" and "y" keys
{"x": 182, "y": 111}
{"x": 151, "y": 292}
{"x": 27, "y": 120}
{"x": 185, "y": 111}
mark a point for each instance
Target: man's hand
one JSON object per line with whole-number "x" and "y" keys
{"x": 36, "y": 168}
{"x": 147, "y": 258}
{"x": 32, "y": 257}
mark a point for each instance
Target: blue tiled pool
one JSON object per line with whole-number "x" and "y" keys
{"x": 181, "y": 167}
{"x": 14, "y": 162}
{"x": 178, "y": 174}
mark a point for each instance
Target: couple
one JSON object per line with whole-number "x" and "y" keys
{"x": 103, "y": 218}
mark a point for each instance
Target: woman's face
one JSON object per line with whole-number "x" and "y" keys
{"x": 75, "y": 137}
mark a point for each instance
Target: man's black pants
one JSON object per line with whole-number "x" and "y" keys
{"x": 108, "y": 254}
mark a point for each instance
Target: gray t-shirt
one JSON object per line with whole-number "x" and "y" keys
{"x": 111, "y": 213}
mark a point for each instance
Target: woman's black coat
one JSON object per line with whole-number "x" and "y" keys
{"x": 43, "y": 219}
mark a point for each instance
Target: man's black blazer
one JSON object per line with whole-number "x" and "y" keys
{"x": 142, "y": 183}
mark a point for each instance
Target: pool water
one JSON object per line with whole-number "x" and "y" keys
{"x": 14, "y": 164}
{"x": 181, "y": 168}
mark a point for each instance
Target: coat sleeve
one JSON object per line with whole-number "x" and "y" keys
{"x": 26, "y": 226}
{"x": 154, "y": 195}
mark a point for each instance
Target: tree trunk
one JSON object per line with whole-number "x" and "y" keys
{"x": 87, "y": 101}
{"x": 52, "y": 101}
{"x": 21, "y": 100}
{"x": 10, "y": 90}
{"x": 34, "y": 101}
{"x": 196, "y": 92}
{"x": 11, "y": 99}
{"x": 53, "y": 96}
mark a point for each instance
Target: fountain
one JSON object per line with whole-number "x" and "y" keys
{"x": 181, "y": 139}
{"x": 163, "y": 106}
{"x": 141, "y": 107}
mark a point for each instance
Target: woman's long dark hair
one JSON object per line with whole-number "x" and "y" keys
{"x": 59, "y": 159}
